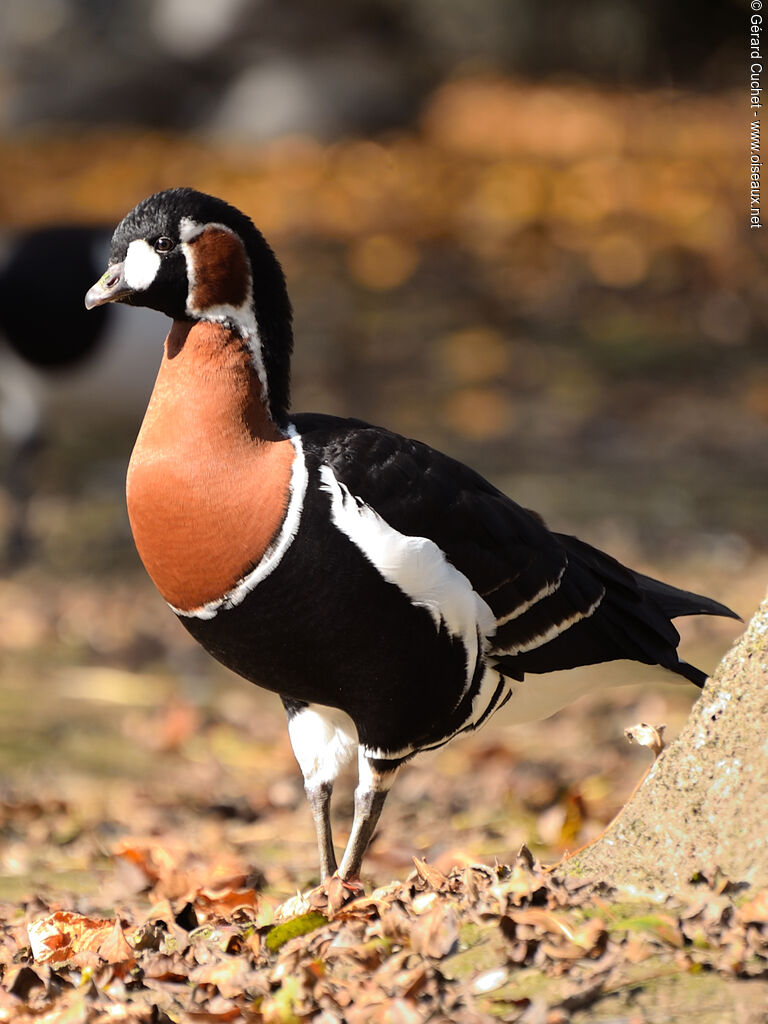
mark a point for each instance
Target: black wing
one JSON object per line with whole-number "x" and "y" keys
{"x": 558, "y": 602}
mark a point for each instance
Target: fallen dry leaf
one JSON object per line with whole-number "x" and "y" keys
{"x": 228, "y": 976}
{"x": 66, "y": 937}
{"x": 20, "y": 981}
{"x": 424, "y": 901}
{"x": 116, "y": 949}
{"x": 436, "y": 932}
{"x": 162, "y": 967}
{"x": 222, "y": 903}
{"x": 651, "y": 736}
{"x": 429, "y": 874}
{"x": 156, "y": 860}
{"x": 754, "y": 911}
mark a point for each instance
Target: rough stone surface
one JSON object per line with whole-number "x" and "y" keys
{"x": 702, "y": 805}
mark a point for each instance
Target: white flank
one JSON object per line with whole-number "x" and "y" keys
{"x": 243, "y": 316}
{"x": 274, "y": 553}
{"x": 546, "y": 591}
{"x": 418, "y": 567}
{"x": 141, "y": 265}
{"x": 324, "y": 740}
{"x": 551, "y": 633}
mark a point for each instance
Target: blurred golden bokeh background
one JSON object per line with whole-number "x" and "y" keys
{"x": 522, "y": 240}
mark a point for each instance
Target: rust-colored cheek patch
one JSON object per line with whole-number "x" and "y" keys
{"x": 220, "y": 270}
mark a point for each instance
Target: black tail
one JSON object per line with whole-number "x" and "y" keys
{"x": 696, "y": 676}
{"x": 633, "y": 620}
{"x": 675, "y": 602}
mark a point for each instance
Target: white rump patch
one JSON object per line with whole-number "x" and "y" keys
{"x": 324, "y": 740}
{"x": 418, "y": 567}
{"x": 244, "y": 316}
{"x": 141, "y": 265}
{"x": 274, "y": 553}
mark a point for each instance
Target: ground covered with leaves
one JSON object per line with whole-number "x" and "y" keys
{"x": 509, "y": 942}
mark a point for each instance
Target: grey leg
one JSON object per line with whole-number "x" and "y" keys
{"x": 323, "y": 740}
{"x": 375, "y": 779}
{"x": 319, "y": 797}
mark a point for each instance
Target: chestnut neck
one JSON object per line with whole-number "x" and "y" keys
{"x": 207, "y": 373}
{"x": 210, "y": 475}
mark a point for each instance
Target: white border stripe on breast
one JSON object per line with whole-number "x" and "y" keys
{"x": 274, "y": 553}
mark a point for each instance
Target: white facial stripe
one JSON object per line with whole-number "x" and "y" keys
{"x": 418, "y": 567}
{"x": 141, "y": 265}
{"x": 243, "y": 316}
{"x": 273, "y": 555}
{"x": 189, "y": 229}
{"x": 324, "y": 740}
{"x": 552, "y": 632}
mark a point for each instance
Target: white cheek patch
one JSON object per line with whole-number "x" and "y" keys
{"x": 141, "y": 265}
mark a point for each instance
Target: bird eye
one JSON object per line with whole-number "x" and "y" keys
{"x": 164, "y": 244}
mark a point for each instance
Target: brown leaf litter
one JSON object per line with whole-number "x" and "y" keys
{"x": 514, "y": 942}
